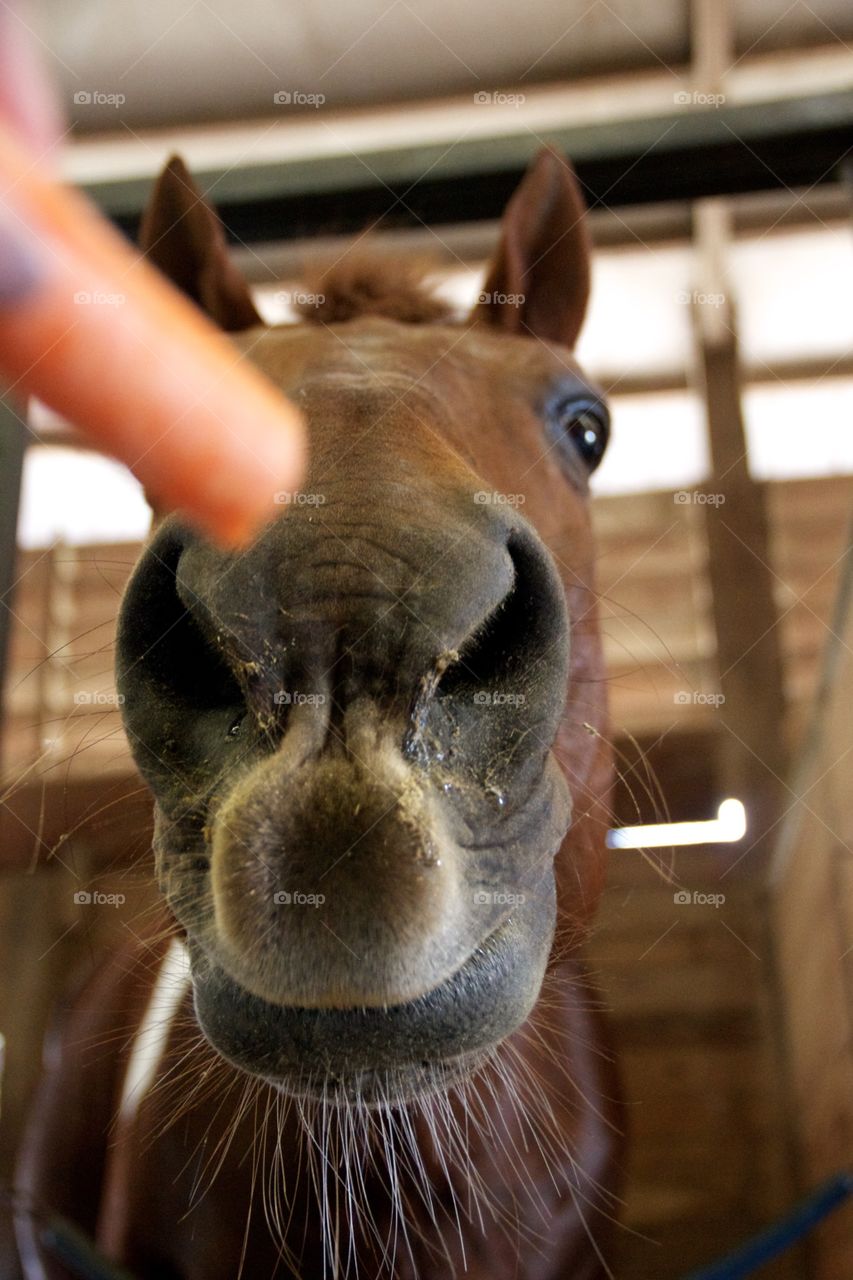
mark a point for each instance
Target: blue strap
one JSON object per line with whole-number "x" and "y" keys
{"x": 806, "y": 1215}
{"x": 67, "y": 1243}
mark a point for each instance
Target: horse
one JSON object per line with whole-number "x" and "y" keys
{"x": 366, "y": 1042}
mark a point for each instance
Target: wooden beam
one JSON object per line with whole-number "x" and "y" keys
{"x": 753, "y": 758}
{"x": 678, "y": 151}
{"x": 471, "y": 244}
{"x": 306, "y": 151}
{"x": 812, "y": 914}
{"x": 712, "y": 43}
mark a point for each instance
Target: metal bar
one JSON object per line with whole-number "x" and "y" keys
{"x": 13, "y": 440}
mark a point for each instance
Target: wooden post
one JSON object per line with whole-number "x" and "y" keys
{"x": 812, "y": 912}
{"x": 753, "y": 757}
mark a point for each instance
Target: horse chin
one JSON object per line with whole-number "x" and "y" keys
{"x": 374, "y": 1056}
{"x": 374, "y": 1089}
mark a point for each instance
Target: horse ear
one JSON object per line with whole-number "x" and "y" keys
{"x": 538, "y": 283}
{"x": 183, "y": 236}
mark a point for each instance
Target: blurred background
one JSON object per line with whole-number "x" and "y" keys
{"x": 715, "y": 146}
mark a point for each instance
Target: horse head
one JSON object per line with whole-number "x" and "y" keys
{"x": 366, "y": 732}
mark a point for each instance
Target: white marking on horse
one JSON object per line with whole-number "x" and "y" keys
{"x": 155, "y": 1028}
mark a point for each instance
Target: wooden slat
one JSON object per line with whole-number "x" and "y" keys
{"x": 687, "y": 994}
{"x": 813, "y": 917}
{"x": 749, "y": 655}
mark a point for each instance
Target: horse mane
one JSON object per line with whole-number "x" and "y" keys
{"x": 371, "y": 283}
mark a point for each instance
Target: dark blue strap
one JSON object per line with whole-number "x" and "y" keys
{"x": 782, "y": 1234}
{"x": 67, "y": 1243}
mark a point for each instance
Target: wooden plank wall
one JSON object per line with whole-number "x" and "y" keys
{"x": 812, "y": 898}
{"x": 688, "y": 993}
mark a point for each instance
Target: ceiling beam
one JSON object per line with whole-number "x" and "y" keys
{"x": 632, "y": 227}
{"x": 682, "y": 154}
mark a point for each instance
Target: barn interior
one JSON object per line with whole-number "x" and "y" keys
{"x": 714, "y": 142}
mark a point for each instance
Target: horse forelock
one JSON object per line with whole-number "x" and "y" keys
{"x": 372, "y": 283}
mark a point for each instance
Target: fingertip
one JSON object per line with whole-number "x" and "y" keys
{"x": 240, "y": 491}
{"x": 21, "y": 267}
{"x": 28, "y": 101}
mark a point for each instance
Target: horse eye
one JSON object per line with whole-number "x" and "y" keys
{"x": 586, "y": 423}
{"x": 234, "y": 731}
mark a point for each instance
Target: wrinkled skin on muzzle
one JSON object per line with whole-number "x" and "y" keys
{"x": 362, "y": 730}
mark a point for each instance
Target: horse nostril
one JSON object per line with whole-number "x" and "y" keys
{"x": 487, "y": 653}
{"x": 527, "y": 628}
{"x": 481, "y": 728}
